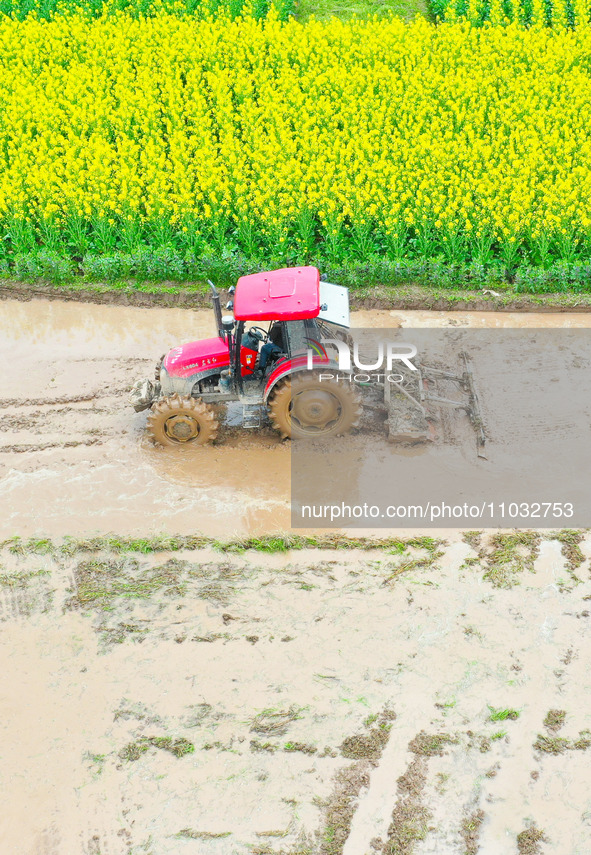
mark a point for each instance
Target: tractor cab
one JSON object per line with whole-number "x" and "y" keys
{"x": 291, "y": 303}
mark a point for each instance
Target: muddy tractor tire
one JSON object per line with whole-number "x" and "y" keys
{"x": 305, "y": 407}
{"x": 180, "y": 420}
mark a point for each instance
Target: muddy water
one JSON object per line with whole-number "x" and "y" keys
{"x": 329, "y": 641}
{"x": 74, "y": 457}
{"x": 475, "y": 320}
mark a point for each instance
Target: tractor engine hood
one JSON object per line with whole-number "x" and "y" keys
{"x": 197, "y": 356}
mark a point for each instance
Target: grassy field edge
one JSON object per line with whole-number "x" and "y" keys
{"x": 193, "y": 295}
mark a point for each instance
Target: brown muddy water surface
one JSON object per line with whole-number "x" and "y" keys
{"x": 397, "y": 702}
{"x": 74, "y": 457}
{"x": 428, "y": 699}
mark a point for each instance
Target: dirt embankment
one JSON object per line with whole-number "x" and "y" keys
{"x": 404, "y": 298}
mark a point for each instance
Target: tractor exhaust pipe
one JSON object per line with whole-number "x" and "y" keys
{"x": 217, "y": 309}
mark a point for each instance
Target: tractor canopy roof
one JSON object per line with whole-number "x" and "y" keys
{"x": 291, "y": 294}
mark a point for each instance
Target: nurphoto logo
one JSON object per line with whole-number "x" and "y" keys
{"x": 387, "y": 354}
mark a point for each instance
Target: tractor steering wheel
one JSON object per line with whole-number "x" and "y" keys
{"x": 258, "y": 332}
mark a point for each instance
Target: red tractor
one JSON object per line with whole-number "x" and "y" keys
{"x": 274, "y": 366}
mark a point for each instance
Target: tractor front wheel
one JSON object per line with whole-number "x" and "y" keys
{"x": 179, "y": 420}
{"x": 303, "y": 406}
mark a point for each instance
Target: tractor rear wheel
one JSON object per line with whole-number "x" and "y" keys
{"x": 179, "y": 420}
{"x": 303, "y": 406}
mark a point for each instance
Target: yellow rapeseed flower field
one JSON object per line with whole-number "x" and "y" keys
{"x": 359, "y": 137}
{"x": 562, "y": 14}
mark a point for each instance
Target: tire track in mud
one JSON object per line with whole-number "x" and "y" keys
{"x": 373, "y": 818}
{"x": 63, "y": 399}
{"x": 46, "y": 402}
{"x": 45, "y": 446}
{"x": 39, "y": 424}
{"x": 51, "y": 425}
{"x": 36, "y": 419}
